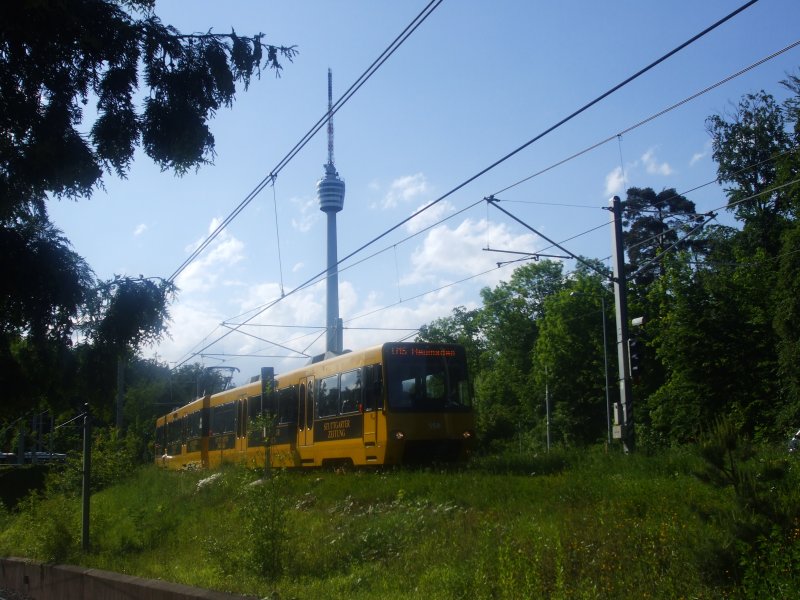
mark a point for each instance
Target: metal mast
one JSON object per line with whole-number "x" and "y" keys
{"x": 330, "y": 191}
{"x": 330, "y": 117}
{"x": 624, "y": 414}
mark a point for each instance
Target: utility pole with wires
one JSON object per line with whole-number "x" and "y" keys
{"x": 623, "y": 413}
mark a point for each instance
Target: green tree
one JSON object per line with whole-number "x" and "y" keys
{"x": 128, "y": 312}
{"x": 756, "y": 152}
{"x": 570, "y": 359}
{"x": 747, "y": 146}
{"x": 510, "y": 323}
{"x": 787, "y": 294}
{"x": 716, "y": 341}
{"x": 42, "y": 292}
{"x": 655, "y": 223}
{"x": 55, "y": 59}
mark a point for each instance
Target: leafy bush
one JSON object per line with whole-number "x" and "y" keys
{"x": 46, "y": 529}
{"x": 114, "y": 458}
{"x": 263, "y": 511}
{"x": 764, "y": 525}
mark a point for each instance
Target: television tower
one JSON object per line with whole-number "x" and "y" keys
{"x": 330, "y": 191}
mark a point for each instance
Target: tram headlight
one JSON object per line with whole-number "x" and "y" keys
{"x": 398, "y": 435}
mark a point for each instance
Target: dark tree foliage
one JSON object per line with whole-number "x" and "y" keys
{"x": 510, "y": 321}
{"x": 128, "y": 312}
{"x": 569, "y": 362}
{"x": 751, "y": 147}
{"x": 746, "y": 146}
{"x": 83, "y": 84}
{"x": 56, "y": 57}
{"x": 655, "y": 224}
{"x": 44, "y": 283}
{"x": 43, "y": 287}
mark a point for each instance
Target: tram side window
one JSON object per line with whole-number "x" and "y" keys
{"x": 254, "y": 408}
{"x": 194, "y": 425}
{"x": 174, "y": 432}
{"x": 223, "y": 418}
{"x": 287, "y": 405}
{"x": 350, "y": 391}
{"x": 328, "y": 398}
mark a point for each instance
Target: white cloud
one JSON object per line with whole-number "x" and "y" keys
{"x": 449, "y": 254}
{"x": 308, "y": 214}
{"x": 430, "y": 216}
{"x": 269, "y": 311}
{"x": 205, "y": 271}
{"x": 653, "y": 167}
{"x": 698, "y": 156}
{"x": 188, "y": 320}
{"x": 405, "y": 189}
{"x": 615, "y": 182}
{"x": 140, "y": 229}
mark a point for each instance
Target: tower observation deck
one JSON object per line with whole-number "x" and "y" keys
{"x": 330, "y": 191}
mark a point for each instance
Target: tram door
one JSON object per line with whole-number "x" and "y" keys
{"x": 370, "y": 403}
{"x": 305, "y": 425}
{"x": 241, "y": 428}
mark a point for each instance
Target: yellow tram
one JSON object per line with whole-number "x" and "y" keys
{"x": 396, "y": 403}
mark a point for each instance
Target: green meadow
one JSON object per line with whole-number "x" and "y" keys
{"x": 582, "y": 524}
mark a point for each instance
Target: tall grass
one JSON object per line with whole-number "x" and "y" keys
{"x": 564, "y": 525}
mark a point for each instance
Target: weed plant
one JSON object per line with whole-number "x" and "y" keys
{"x": 564, "y": 525}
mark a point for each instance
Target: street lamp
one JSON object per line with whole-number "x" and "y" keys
{"x": 605, "y": 360}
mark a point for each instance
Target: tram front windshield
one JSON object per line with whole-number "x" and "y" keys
{"x": 426, "y": 378}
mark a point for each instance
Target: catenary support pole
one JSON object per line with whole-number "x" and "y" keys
{"x": 626, "y": 431}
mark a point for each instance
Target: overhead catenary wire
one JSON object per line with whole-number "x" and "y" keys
{"x": 420, "y": 295}
{"x": 440, "y": 288}
{"x": 320, "y": 277}
{"x": 501, "y": 160}
{"x": 652, "y": 117}
{"x": 277, "y": 235}
{"x": 463, "y": 280}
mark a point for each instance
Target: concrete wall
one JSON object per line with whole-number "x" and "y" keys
{"x": 39, "y": 581}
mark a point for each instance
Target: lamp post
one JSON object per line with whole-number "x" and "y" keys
{"x": 605, "y": 360}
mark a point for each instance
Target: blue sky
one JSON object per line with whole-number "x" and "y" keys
{"x": 474, "y": 82}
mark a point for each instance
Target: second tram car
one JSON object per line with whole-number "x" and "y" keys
{"x": 396, "y": 403}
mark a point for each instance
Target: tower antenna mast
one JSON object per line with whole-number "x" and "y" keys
{"x": 330, "y": 117}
